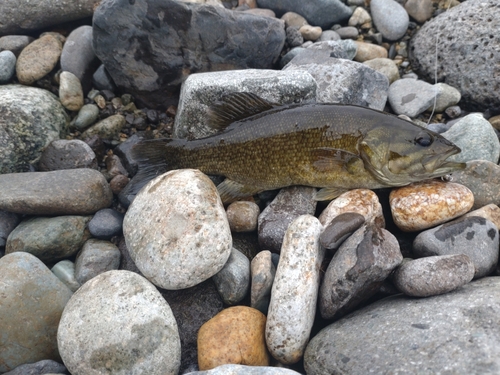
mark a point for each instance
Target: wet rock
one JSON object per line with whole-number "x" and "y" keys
{"x": 242, "y": 216}
{"x": 65, "y": 271}
{"x": 67, "y": 154}
{"x": 87, "y": 115}
{"x": 96, "y": 257}
{"x": 339, "y": 229}
{"x": 233, "y": 280}
{"x": 263, "y": 272}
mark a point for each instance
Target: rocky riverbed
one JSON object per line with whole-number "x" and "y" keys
{"x": 95, "y": 280}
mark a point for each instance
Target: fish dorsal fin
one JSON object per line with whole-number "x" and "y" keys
{"x": 234, "y": 107}
{"x": 327, "y": 159}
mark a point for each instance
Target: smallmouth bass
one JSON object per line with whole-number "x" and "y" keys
{"x": 264, "y": 146}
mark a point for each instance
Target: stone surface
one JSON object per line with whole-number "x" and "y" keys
{"x": 70, "y": 91}
{"x": 340, "y": 49}
{"x": 309, "y": 32}
{"x": 177, "y": 231}
{"x": 426, "y": 204}
{"x": 87, "y": 115}
{"x": 202, "y": 90}
{"x": 263, "y": 272}
{"x": 328, "y": 35}
{"x": 96, "y": 257}
{"x": 46, "y": 366}
{"x": 142, "y": 50}
{"x": 8, "y": 221}
{"x": 65, "y": 271}
{"x": 43, "y": 299}
{"x": 245, "y": 370}
{"x": 454, "y": 332}
{"x": 420, "y": 10}
{"x": 49, "y": 238}
{"x": 108, "y": 129}
{"x": 490, "y": 212}
{"x": 463, "y": 46}
{"x": 411, "y": 97}
{"x": 119, "y": 322}
{"x": 390, "y": 18}
{"x": 289, "y": 204}
{"x": 295, "y": 290}
{"x": 369, "y": 51}
{"x": 339, "y": 229}
{"x": 293, "y": 19}
{"x": 233, "y": 336}
{"x": 359, "y": 17}
{"x": 15, "y": 43}
{"x": 106, "y": 223}
{"x": 67, "y": 154}
{"x": 357, "y": 270}
{"x": 348, "y": 32}
{"x": 433, "y": 275}
{"x": 67, "y": 192}
{"x": 233, "y": 280}
{"x": 447, "y": 96}
{"x": 7, "y": 66}
{"x": 473, "y": 236}
{"x": 102, "y": 80}
{"x": 385, "y": 66}
{"x": 30, "y": 118}
{"x": 242, "y": 216}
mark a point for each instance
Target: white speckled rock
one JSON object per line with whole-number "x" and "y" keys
{"x": 295, "y": 290}
{"x": 361, "y": 201}
{"x": 176, "y": 230}
{"x": 426, "y": 204}
{"x": 118, "y": 323}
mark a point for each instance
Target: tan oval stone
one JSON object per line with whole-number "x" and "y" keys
{"x": 233, "y": 336}
{"x": 293, "y": 19}
{"x": 310, "y": 32}
{"x": 38, "y": 59}
{"x": 242, "y": 216}
{"x": 426, "y": 204}
{"x": 361, "y": 201}
{"x": 70, "y": 91}
{"x": 385, "y": 66}
{"x": 368, "y": 51}
{"x": 359, "y": 17}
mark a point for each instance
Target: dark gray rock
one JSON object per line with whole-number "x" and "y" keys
{"x": 323, "y": 13}
{"x": 106, "y": 223}
{"x": 263, "y": 271}
{"x": 473, "y": 236}
{"x": 46, "y": 366}
{"x": 456, "y": 333}
{"x": 340, "y": 228}
{"x": 67, "y": 192}
{"x": 462, "y": 47}
{"x": 233, "y": 280}
{"x": 15, "y": 43}
{"x": 102, "y": 80}
{"x": 289, "y": 204}
{"x": 328, "y": 35}
{"x": 293, "y": 37}
{"x": 357, "y": 270}
{"x": 124, "y": 151}
{"x": 67, "y": 154}
{"x": 8, "y": 221}
{"x": 7, "y": 66}
{"x": 149, "y": 47}
{"x": 96, "y": 257}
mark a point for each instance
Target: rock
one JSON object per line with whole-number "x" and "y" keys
{"x": 293, "y": 19}
{"x": 15, "y": 43}
{"x": 96, "y": 257}
{"x": 8, "y": 222}
{"x": 290, "y": 55}
{"x": 339, "y": 229}
{"x": 309, "y": 32}
{"x": 102, "y": 80}
{"x": 233, "y": 336}
{"x": 106, "y": 223}
{"x": 453, "y": 111}
{"x": 87, "y": 115}
{"x": 473, "y": 236}
{"x": 490, "y": 212}
{"x": 348, "y": 32}
{"x": 289, "y": 204}
{"x": 70, "y": 91}
{"x": 263, "y": 272}
{"x": 476, "y": 137}
{"x": 362, "y": 201}
{"x": 411, "y": 97}
{"x": 30, "y": 118}
{"x": 7, "y": 66}
{"x": 369, "y": 51}
{"x": 196, "y": 49}
{"x": 447, "y": 96}
{"x": 46, "y": 366}
{"x": 49, "y": 238}
{"x": 65, "y": 271}
{"x": 114, "y": 166}
{"x": 67, "y": 154}
{"x": 433, "y": 275}
{"x": 295, "y": 290}
{"x": 454, "y": 331}
{"x": 322, "y": 13}
{"x": 359, "y": 17}
{"x": 108, "y": 129}
{"x": 261, "y": 12}
{"x": 293, "y": 37}
{"x": 242, "y": 216}
{"x": 482, "y": 178}
{"x": 67, "y": 192}
{"x": 462, "y": 46}
{"x": 119, "y": 319}
{"x": 390, "y": 18}
{"x": 426, "y": 204}
{"x": 420, "y": 10}
{"x": 233, "y": 280}
{"x": 44, "y": 298}
{"x": 200, "y": 91}
{"x": 385, "y": 66}
{"x": 340, "y": 49}
{"x": 118, "y": 183}
{"x": 355, "y": 83}
{"x": 195, "y": 247}
{"x": 357, "y": 270}
{"x": 18, "y": 19}
{"x": 328, "y": 35}
{"x": 245, "y": 370}
{"x": 38, "y": 59}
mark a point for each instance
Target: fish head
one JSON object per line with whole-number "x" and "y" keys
{"x": 398, "y": 156}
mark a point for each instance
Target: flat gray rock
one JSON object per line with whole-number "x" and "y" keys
{"x": 411, "y": 97}
{"x": 67, "y": 192}
{"x": 96, "y": 257}
{"x": 263, "y": 272}
{"x": 455, "y": 333}
{"x": 67, "y": 154}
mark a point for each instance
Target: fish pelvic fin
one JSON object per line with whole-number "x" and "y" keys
{"x": 231, "y": 191}
{"x": 327, "y": 159}
{"x": 327, "y": 194}
{"x": 234, "y": 107}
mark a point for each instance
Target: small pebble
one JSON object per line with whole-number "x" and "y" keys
{"x": 15, "y": 43}
{"x": 339, "y": 229}
{"x": 233, "y": 280}
{"x": 385, "y": 66}
{"x": 77, "y": 55}
{"x": 447, "y": 96}
{"x": 7, "y": 66}
{"x": 118, "y": 183}
{"x": 70, "y": 91}
{"x": 96, "y": 257}
{"x": 426, "y": 204}
{"x": 420, "y": 10}
{"x": 243, "y": 216}
{"x": 114, "y": 166}
{"x": 106, "y": 223}
{"x": 454, "y": 112}
{"x": 67, "y": 154}
{"x": 263, "y": 271}
{"x": 293, "y": 38}
{"x": 65, "y": 271}
{"x": 369, "y": 51}
{"x": 293, "y": 20}
{"x": 102, "y": 80}
{"x": 100, "y": 101}
{"x": 310, "y": 32}
{"x": 348, "y": 32}
{"x": 87, "y": 115}
{"x": 108, "y": 129}
{"x": 359, "y": 17}
{"x": 328, "y": 35}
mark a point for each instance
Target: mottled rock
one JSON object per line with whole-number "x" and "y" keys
{"x": 46, "y": 366}
{"x": 108, "y": 129}
{"x": 242, "y": 216}
{"x": 67, "y": 154}
{"x": 411, "y": 97}
{"x": 67, "y": 192}
{"x": 65, "y": 271}
{"x": 233, "y": 280}
{"x": 293, "y": 37}
{"x": 96, "y": 257}
{"x": 70, "y": 91}
{"x": 117, "y": 321}
{"x": 245, "y": 370}
{"x": 289, "y": 204}
{"x": 114, "y": 166}
{"x": 44, "y": 298}
{"x": 234, "y": 336}
{"x": 30, "y": 118}
{"x": 339, "y": 229}
{"x": 177, "y": 231}
{"x": 357, "y": 270}
{"x": 263, "y": 272}
{"x": 295, "y": 290}
{"x": 473, "y": 236}
{"x": 7, "y": 66}
{"x": 426, "y": 204}
{"x": 385, "y": 66}
{"x": 490, "y": 212}
{"x": 390, "y": 18}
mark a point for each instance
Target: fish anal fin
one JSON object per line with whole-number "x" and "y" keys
{"x": 327, "y": 159}
{"x": 327, "y": 194}
{"x": 231, "y": 191}
{"x": 234, "y": 107}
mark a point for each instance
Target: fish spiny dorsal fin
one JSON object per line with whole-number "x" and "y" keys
{"x": 236, "y": 106}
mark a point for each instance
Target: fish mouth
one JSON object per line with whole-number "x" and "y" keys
{"x": 437, "y": 165}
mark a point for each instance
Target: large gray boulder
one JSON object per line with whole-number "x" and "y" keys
{"x": 149, "y": 47}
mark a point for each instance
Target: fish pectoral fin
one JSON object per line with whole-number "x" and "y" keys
{"x": 234, "y": 107}
{"x": 231, "y": 191}
{"x": 327, "y": 194}
{"x": 327, "y": 159}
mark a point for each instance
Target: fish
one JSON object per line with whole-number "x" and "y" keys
{"x": 262, "y": 146}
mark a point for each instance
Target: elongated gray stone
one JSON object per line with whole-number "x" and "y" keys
{"x": 233, "y": 280}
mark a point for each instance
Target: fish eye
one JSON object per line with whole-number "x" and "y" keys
{"x": 424, "y": 139}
